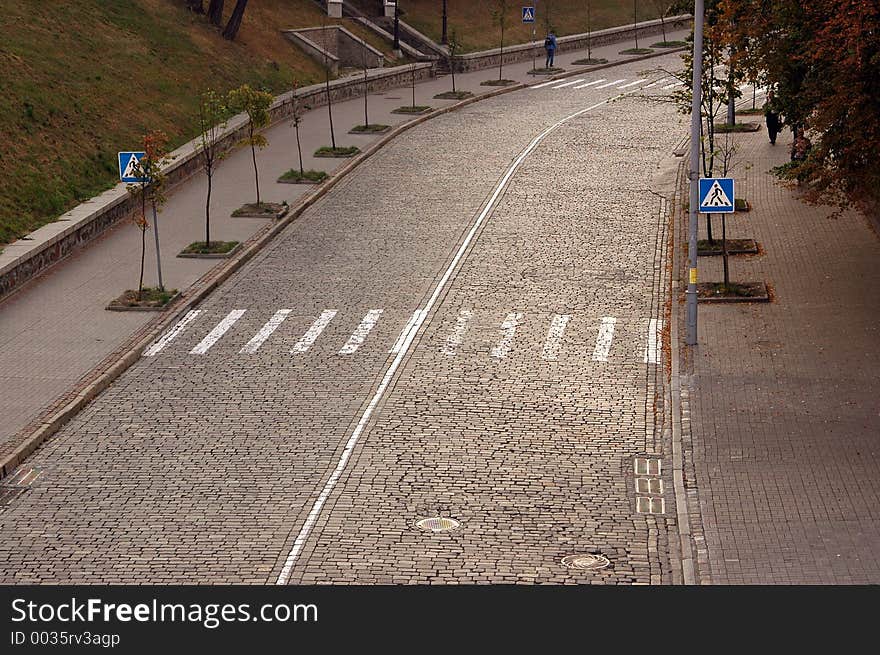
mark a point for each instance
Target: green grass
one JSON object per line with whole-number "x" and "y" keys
{"x": 327, "y": 151}
{"x": 82, "y": 80}
{"x": 589, "y": 62}
{"x": 372, "y": 127}
{"x": 212, "y": 248}
{"x": 669, "y": 44}
{"x": 148, "y": 297}
{"x": 636, "y": 51}
{"x": 294, "y": 175}
{"x": 723, "y": 128}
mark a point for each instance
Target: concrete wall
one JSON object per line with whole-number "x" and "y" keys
{"x": 337, "y": 46}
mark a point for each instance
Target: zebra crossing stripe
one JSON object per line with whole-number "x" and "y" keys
{"x": 554, "y": 337}
{"x": 265, "y": 332}
{"x": 676, "y": 83}
{"x": 509, "y": 328}
{"x": 360, "y": 334}
{"x": 584, "y": 86}
{"x": 603, "y": 341}
{"x": 625, "y": 86}
{"x": 214, "y": 335}
{"x": 654, "y": 347}
{"x": 406, "y": 330}
{"x": 453, "y": 341}
{"x": 605, "y": 86}
{"x": 173, "y": 333}
{"x": 573, "y": 82}
{"x": 314, "y": 332}
{"x": 543, "y": 84}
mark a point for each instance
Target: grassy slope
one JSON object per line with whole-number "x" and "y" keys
{"x": 473, "y": 25}
{"x": 81, "y": 80}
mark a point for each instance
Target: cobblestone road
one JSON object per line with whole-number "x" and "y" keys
{"x": 518, "y": 410}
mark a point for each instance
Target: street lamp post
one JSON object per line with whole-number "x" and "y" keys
{"x": 443, "y": 35}
{"x": 396, "y": 26}
{"x": 694, "y": 175}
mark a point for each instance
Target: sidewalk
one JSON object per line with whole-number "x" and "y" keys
{"x": 783, "y": 399}
{"x": 55, "y": 334}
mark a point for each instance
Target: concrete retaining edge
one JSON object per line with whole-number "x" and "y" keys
{"x": 219, "y": 274}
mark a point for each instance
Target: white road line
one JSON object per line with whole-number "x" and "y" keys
{"x": 509, "y": 328}
{"x": 314, "y": 332}
{"x": 603, "y": 341}
{"x": 573, "y": 82}
{"x": 653, "y": 347}
{"x": 626, "y": 86}
{"x": 656, "y": 82}
{"x": 265, "y": 332}
{"x": 543, "y": 84}
{"x": 360, "y": 334}
{"x": 584, "y": 86}
{"x": 173, "y": 333}
{"x": 554, "y": 337}
{"x": 309, "y": 523}
{"x": 453, "y": 341}
{"x": 215, "y": 334}
{"x": 677, "y": 83}
{"x": 406, "y": 330}
{"x": 605, "y": 86}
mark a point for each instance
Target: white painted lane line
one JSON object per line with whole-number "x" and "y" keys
{"x": 626, "y": 86}
{"x": 677, "y": 83}
{"x": 543, "y": 84}
{"x": 554, "y": 337}
{"x": 453, "y": 341}
{"x": 584, "y": 86}
{"x": 654, "y": 347}
{"x": 509, "y": 328}
{"x": 573, "y": 82}
{"x": 315, "y": 512}
{"x": 215, "y": 334}
{"x": 603, "y": 341}
{"x": 656, "y": 82}
{"x": 173, "y": 333}
{"x": 406, "y": 330}
{"x": 265, "y": 332}
{"x": 605, "y": 86}
{"x": 314, "y": 332}
{"x": 360, "y": 334}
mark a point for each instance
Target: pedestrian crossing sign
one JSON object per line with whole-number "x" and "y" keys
{"x": 528, "y": 14}
{"x": 129, "y": 169}
{"x": 716, "y": 195}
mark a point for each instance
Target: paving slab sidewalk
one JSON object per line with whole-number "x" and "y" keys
{"x": 783, "y": 397}
{"x": 55, "y": 334}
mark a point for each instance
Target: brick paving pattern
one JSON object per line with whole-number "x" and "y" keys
{"x": 202, "y": 467}
{"x": 783, "y": 401}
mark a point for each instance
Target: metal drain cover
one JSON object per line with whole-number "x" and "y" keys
{"x": 586, "y": 562}
{"x": 438, "y": 524}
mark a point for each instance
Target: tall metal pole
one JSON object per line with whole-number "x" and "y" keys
{"x": 443, "y": 36}
{"x": 694, "y": 175}
{"x": 396, "y": 27}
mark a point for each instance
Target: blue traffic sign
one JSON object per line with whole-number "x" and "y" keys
{"x": 716, "y": 195}
{"x": 528, "y": 14}
{"x": 129, "y": 168}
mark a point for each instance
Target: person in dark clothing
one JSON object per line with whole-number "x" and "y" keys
{"x": 772, "y": 116}
{"x": 550, "y": 47}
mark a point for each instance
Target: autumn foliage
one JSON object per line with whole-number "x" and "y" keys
{"x": 821, "y": 59}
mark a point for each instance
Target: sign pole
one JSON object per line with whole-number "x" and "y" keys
{"x": 694, "y": 176}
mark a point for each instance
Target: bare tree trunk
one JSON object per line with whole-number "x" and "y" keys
{"x": 302, "y": 173}
{"x": 234, "y": 23}
{"x": 215, "y": 12}
{"x": 501, "y": 55}
{"x": 208, "y": 214}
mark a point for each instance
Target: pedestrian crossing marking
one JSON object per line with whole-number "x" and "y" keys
{"x": 508, "y": 327}
{"x": 605, "y": 86}
{"x": 551, "y": 350}
{"x": 626, "y": 86}
{"x": 214, "y": 335}
{"x": 360, "y": 334}
{"x": 573, "y": 82}
{"x": 314, "y": 331}
{"x": 584, "y": 86}
{"x": 603, "y": 341}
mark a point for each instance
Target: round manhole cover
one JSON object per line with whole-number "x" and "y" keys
{"x": 586, "y": 562}
{"x": 438, "y": 524}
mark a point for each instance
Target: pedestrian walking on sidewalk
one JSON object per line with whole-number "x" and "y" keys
{"x": 550, "y": 47}
{"x": 772, "y": 116}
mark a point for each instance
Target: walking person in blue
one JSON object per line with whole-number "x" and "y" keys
{"x": 550, "y": 47}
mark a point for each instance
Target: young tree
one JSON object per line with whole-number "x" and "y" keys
{"x": 327, "y": 82}
{"x": 499, "y": 17}
{"x": 636, "y": 22}
{"x": 234, "y": 22}
{"x": 215, "y": 12}
{"x": 453, "y": 46}
{"x": 366, "y": 89}
{"x": 150, "y": 192}
{"x": 213, "y": 114}
{"x": 589, "y": 4}
{"x": 662, "y": 7}
{"x": 296, "y": 119}
{"x": 256, "y": 105}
